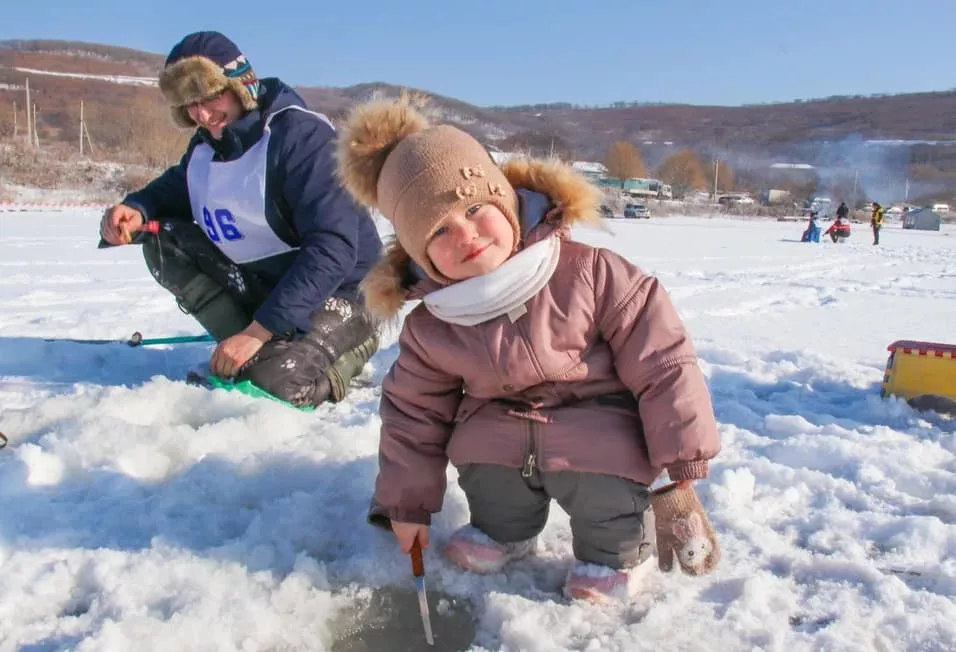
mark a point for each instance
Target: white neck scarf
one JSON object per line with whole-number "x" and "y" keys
{"x": 501, "y": 292}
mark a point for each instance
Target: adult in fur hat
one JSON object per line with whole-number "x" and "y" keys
{"x": 257, "y": 239}
{"x": 540, "y": 367}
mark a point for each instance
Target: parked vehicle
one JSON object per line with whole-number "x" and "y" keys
{"x": 735, "y": 199}
{"x": 636, "y": 211}
{"x": 822, "y": 206}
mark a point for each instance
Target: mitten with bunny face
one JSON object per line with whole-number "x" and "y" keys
{"x": 683, "y": 529}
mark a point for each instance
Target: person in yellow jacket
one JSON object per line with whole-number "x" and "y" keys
{"x": 876, "y": 222}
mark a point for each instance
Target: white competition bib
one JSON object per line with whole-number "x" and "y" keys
{"x": 228, "y": 199}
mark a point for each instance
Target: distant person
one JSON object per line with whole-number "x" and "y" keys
{"x": 876, "y": 222}
{"x": 812, "y": 233}
{"x": 257, "y": 240}
{"x": 843, "y": 210}
{"x": 542, "y": 368}
{"x": 839, "y": 230}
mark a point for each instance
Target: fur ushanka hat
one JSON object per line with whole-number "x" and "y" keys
{"x": 202, "y": 65}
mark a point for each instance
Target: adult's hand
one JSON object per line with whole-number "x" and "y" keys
{"x": 119, "y": 223}
{"x": 234, "y": 352}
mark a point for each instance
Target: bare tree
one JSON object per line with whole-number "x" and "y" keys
{"x": 623, "y": 162}
{"x": 683, "y": 171}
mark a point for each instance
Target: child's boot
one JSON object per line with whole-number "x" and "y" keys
{"x": 597, "y": 583}
{"x": 475, "y": 551}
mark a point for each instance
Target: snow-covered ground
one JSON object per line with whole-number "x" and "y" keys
{"x": 139, "y": 513}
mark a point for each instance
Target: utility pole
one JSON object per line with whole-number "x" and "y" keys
{"x": 716, "y": 172}
{"x": 29, "y": 123}
{"x": 15, "y": 130}
{"x": 36, "y": 134}
{"x": 84, "y": 132}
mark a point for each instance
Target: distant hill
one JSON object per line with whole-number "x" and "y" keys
{"x": 835, "y": 131}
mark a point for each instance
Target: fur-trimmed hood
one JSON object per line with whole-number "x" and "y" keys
{"x": 573, "y": 199}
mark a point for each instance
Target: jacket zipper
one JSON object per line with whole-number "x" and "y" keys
{"x": 530, "y": 461}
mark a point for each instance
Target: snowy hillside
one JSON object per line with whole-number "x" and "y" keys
{"x": 116, "y": 79}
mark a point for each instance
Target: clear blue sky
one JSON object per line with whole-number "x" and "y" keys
{"x": 491, "y": 52}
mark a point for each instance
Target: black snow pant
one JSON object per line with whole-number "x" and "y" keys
{"x": 876, "y": 235}
{"x": 300, "y": 368}
{"x": 609, "y": 515}
{"x": 839, "y": 236}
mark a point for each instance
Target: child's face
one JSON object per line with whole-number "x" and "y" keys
{"x": 471, "y": 242}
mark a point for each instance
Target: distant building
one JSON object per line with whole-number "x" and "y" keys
{"x": 775, "y": 196}
{"x": 783, "y": 183}
{"x": 791, "y": 166}
{"x": 593, "y": 171}
{"x": 597, "y": 174}
{"x": 637, "y": 187}
{"x": 922, "y": 219}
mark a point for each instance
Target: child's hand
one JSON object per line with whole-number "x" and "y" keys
{"x": 406, "y": 533}
{"x": 683, "y": 529}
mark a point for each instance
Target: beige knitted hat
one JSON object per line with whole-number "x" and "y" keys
{"x": 392, "y": 160}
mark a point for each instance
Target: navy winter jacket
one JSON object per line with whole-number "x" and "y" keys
{"x": 305, "y": 205}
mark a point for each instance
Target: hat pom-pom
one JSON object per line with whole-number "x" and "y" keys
{"x": 370, "y": 134}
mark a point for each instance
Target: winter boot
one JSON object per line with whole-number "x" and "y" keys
{"x": 596, "y": 583}
{"x": 603, "y": 584}
{"x": 475, "y": 551}
{"x": 349, "y": 365}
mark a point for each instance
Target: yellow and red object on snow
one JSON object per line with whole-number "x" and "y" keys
{"x": 920, "y": 369}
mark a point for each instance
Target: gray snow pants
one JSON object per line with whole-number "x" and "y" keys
{"x": 611, "y": 522}
{"x": 300, "y": 368}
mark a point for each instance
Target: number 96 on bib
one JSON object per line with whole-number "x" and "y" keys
{"x": 220, "y": 225}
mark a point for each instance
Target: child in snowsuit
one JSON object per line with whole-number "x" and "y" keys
{"x": 540, "y": 367}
